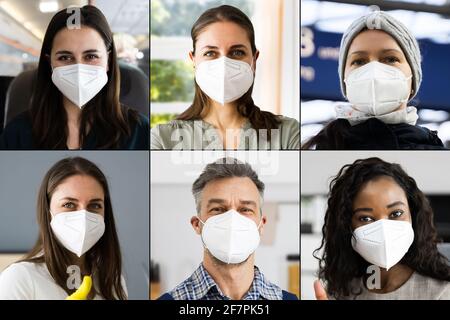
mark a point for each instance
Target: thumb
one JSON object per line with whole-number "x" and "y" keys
{"x": 319, "y": 291}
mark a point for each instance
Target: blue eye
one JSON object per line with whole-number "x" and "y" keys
{"x": 96, "y": 206}
{"x": 238, "y": 53}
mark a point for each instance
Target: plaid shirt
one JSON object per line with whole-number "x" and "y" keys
{"x": 201, "y": 286}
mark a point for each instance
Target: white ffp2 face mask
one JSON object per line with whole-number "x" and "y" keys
{"x": 224, "y": 80}
{"x": 230, "y": 237}
{"x": 79, "y": 82}
{"x": 383, "y": 242}
{"x": 78, "y": 231}
{"x": 377, "y": 88}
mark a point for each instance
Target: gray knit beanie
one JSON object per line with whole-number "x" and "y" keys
{"x": 380, "y": 20}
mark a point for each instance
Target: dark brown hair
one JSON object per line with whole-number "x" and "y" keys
{"x": 103, "y": 260}
{"x": 104, "y": 111}
{"x": 245, "y": 106}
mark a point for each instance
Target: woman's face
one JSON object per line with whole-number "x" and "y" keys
{"x": 223, "y": 39}
{"x": 78, "y": 46}
{"x": 376, "y": 45}
{"x": 381, "y": 198}
{"x": 78, "y": 192}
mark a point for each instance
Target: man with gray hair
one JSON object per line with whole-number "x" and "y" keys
{"x": 228, "y": 196}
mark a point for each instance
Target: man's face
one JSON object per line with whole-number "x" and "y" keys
{"x": 222, "y": 195}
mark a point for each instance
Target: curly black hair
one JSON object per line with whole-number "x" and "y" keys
{"x": 339, "y": 264}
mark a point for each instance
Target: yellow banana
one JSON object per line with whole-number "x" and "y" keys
{"x": 83, "y": 291}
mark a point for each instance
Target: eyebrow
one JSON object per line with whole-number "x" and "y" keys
{"x": 382, "y": 51}
{"x": 396, "y": 203}
{"x": 70, "y": 52}
{"x": 74, "y": 199}
{"x": 393, "y": 204}
{"x": 68, "y": 198}
{"x": 236, "y": 46}
{"x": 222, "y": 201}
{"x": 248, "y": 202}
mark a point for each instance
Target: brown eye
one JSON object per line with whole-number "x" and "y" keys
{"x": 91, "y": 57}
{"x": 396, "y": 214}
{"x": 365, "y": 219}
{"x": 209, "y": 54}
{"x": 63, "y": 58}
{"x": 358, "y": 62}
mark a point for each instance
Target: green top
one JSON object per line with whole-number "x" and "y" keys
{"x": 200, "y": 135}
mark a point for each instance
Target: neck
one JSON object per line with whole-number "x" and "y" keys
{"x": 224, "y": 116}
{"x": 234, "y": 280}
{"x": 72, "y": 110}
{"x": 394, "y": 278}
{"x": 80, "y": 262}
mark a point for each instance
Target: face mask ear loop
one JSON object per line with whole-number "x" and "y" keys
{"x": 259, "y": 224}
{"x": 252, "y": 66}
{"x": 201, "y": 233}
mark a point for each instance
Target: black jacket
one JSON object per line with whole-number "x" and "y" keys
{"x": 374, "y": 134}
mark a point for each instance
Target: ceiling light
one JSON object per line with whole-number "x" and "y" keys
{"x": 48, "y": 6}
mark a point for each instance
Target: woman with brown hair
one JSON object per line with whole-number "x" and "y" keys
{"x": 223, "y": 114}
{"x": 77, "y": 237}
{"x": 75, "y": 102}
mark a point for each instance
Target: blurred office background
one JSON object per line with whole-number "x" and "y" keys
{"x": 176, "y": 250}
{"x": 22, "y": 28}
{"x": 429, "y": 169}
{"x": 276, "y": 23}
{"x": 21, "y": 174}
{"x": 322, "y": 26}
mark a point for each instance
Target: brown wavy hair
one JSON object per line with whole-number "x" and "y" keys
{"x": 245, "y": 105}
{"x": 103, "y": 260}
{"x": 339, "y": 263}
{"x": 105, "y": 112}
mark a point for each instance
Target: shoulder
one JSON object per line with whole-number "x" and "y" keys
{"x": 417, "y": 137}
{"x": 139, "y": 125}
{"x": 143, "y": 121}
{"x": 439, "y": 288}
{"x": 176, "y": 124}
{"x": 135, "y": 118}
{"x": 290, "y": 132}
{"x": 124, "y": 285}
{"x": 16, "y": 281}
{"x": 183, "y": 291}
{"x": 161, "y": 134}
{"x": 287, "y": 122}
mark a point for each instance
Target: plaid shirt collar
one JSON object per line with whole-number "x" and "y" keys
{"x": 201, "y": 286}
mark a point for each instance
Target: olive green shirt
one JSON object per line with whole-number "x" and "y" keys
{"x": 200, "y": 135}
